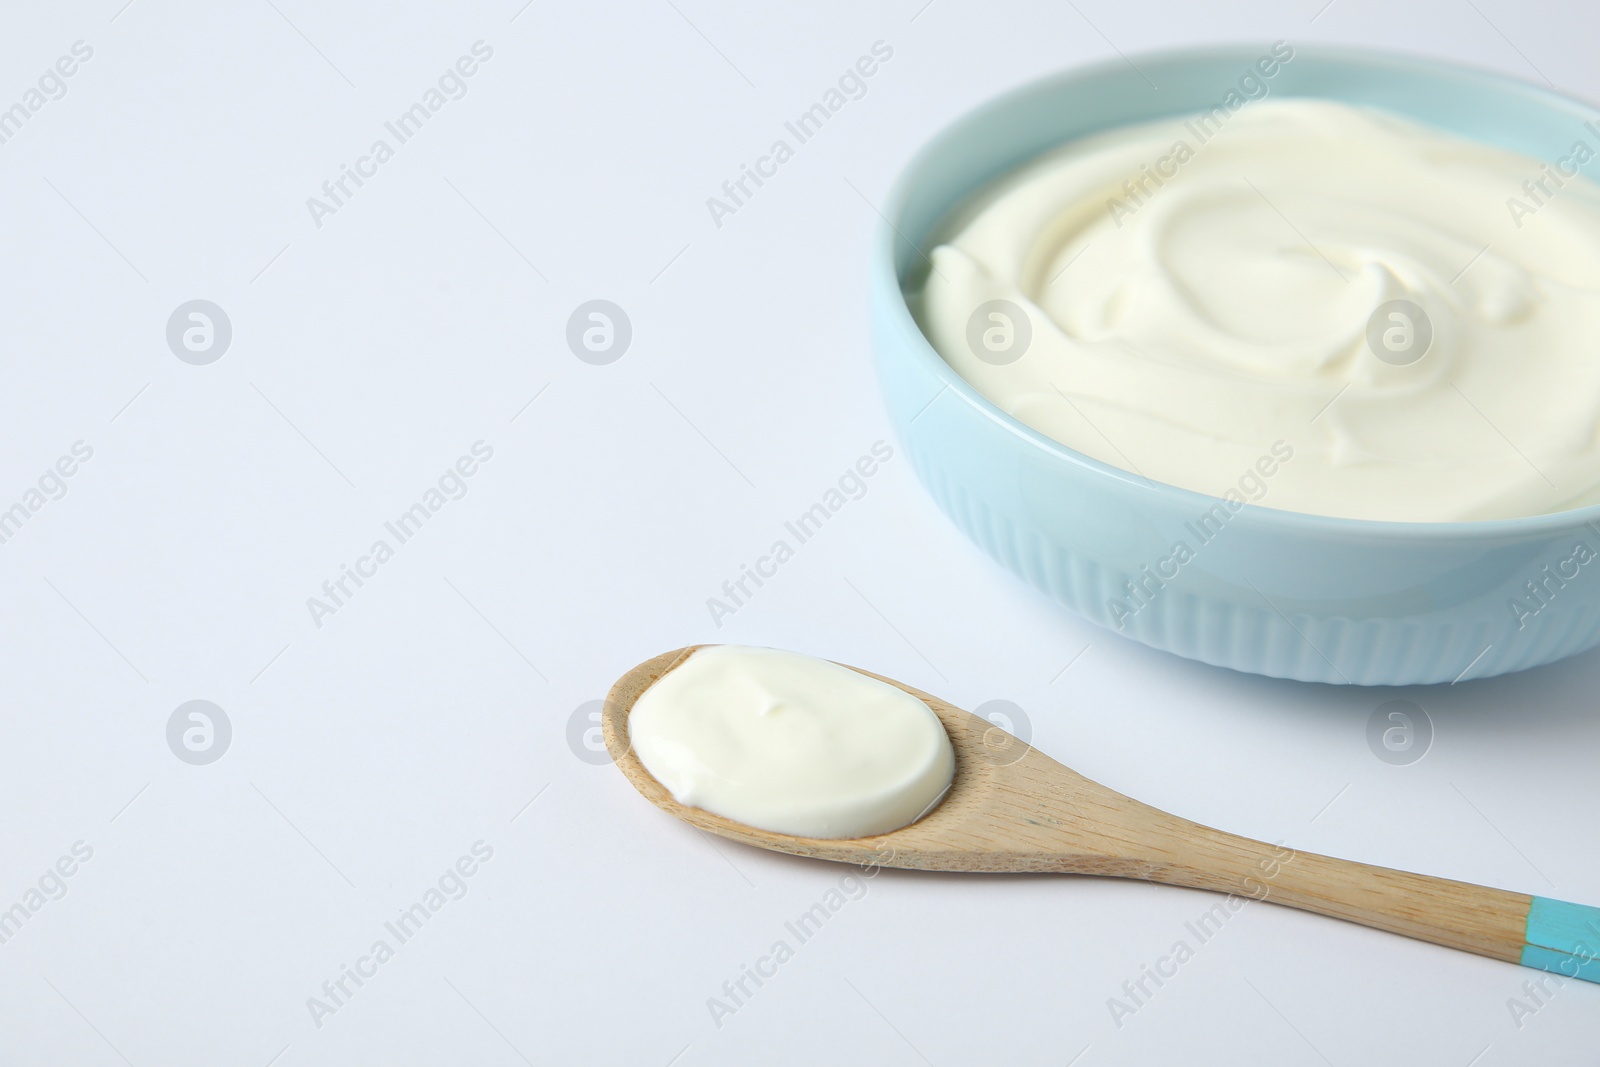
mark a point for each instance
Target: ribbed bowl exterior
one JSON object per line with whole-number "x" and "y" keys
{"x": 1264, "y": 591}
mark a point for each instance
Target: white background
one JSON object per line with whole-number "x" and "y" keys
{"x": 371, "y": 752}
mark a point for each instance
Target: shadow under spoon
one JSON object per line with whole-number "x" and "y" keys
{"x": 1011, "y": 808}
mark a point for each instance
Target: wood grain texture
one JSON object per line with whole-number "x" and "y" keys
{"x": 1011, "y": 808}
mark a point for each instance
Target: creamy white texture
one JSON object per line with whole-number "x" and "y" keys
{"x": 791, "y": 744}
{"x": 1193, "y": 302}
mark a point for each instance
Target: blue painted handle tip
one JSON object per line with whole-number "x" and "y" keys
{"x": 1563, "y": 938}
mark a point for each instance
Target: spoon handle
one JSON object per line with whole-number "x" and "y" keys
{"x": 1551, "y": 935}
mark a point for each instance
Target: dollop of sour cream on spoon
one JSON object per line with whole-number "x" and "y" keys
{"x": 791, "y": 744}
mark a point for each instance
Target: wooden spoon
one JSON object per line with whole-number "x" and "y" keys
{"x": 1012, "y": 808}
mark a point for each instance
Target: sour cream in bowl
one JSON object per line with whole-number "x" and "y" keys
{"x": 1285, "y": 366}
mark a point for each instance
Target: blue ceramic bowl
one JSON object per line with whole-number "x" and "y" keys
{"x": 1276, "y": 593}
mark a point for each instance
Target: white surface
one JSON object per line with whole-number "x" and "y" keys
{"x": 369, "y": 754}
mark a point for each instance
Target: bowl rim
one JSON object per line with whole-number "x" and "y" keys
{"x": 885, "y": 283}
